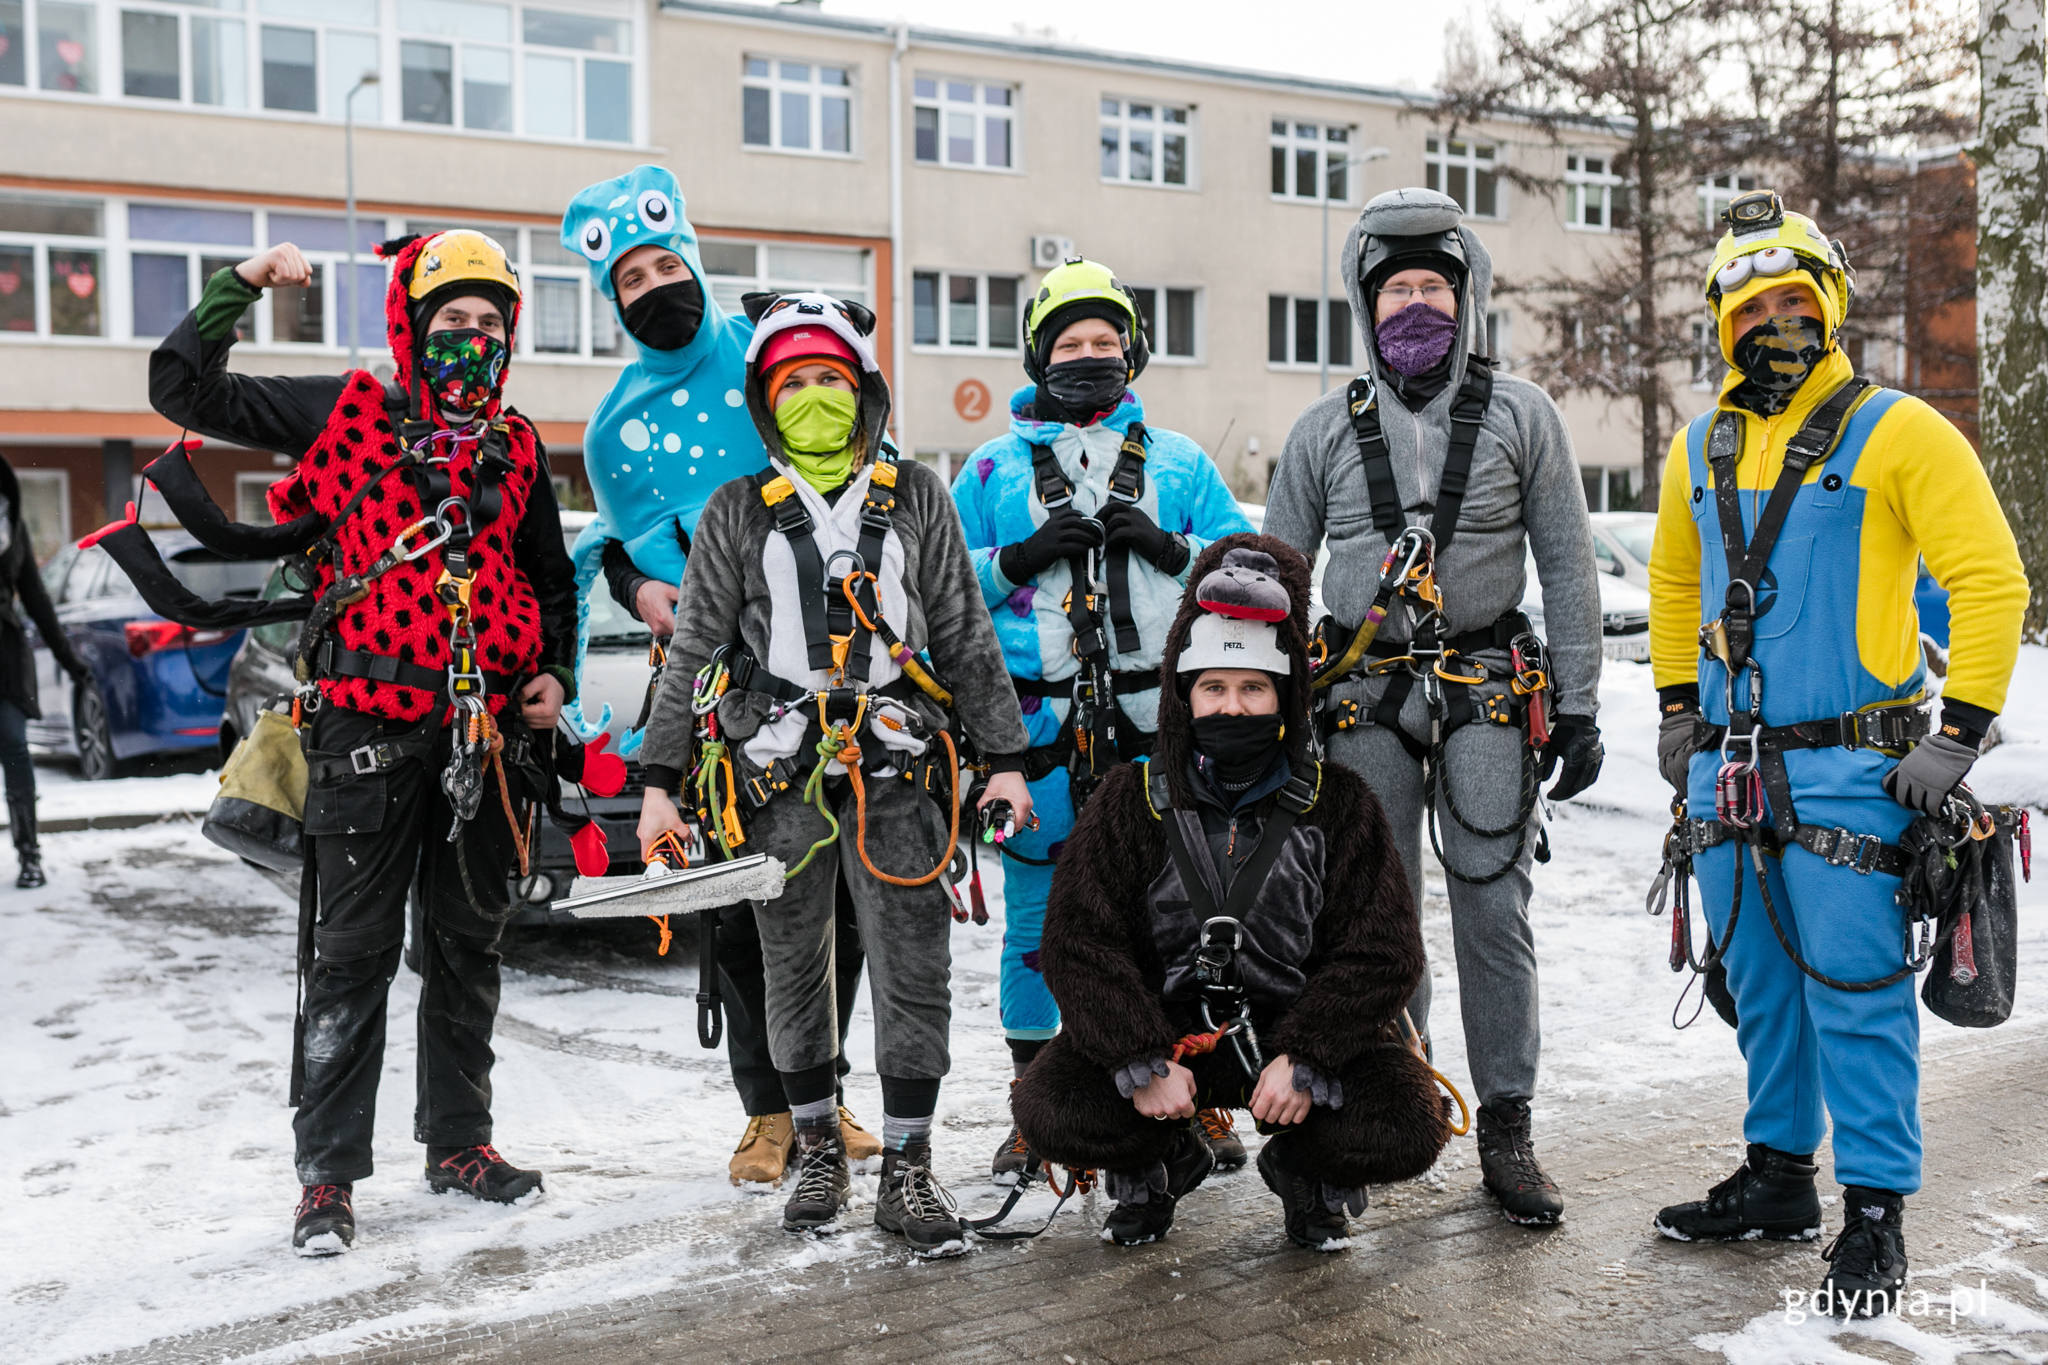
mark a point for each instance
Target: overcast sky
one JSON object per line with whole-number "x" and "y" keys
{"x": 1376, "y": 42}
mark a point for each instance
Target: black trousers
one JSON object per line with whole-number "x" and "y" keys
{"x": 743, "y": 980}
{"x": 371, "y": 838}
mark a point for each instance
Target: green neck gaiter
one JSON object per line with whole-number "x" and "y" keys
{"x": 817, "y": 434}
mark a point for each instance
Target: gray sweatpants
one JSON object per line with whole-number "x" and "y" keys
{"x": 905, "y": 930}
{"x": 1496, "y": 952}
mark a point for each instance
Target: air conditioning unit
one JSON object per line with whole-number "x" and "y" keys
{"x": 1047, "y": 252}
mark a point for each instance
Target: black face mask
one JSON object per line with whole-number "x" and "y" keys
{"x": 1243, "y": 748}
{"x": 666, "y": 318}
{"x": 1775, "y": 356}
{"x": 1082, "y": 390}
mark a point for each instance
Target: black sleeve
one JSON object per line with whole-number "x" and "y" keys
{"x": 623, "y": 577}
{"x": 190, "y": 385}
{"x": 35, "y": 598}
{"x": 538, "y": 552}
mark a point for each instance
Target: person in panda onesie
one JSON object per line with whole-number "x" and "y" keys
{"x": 1230, "y": 925}
{"x": 810, "y": 586}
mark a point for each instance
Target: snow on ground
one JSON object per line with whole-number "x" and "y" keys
{"x": 61, "y": 794}
{"x": 146, "y": 1182}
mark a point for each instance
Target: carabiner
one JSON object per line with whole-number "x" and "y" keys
{"x": 1438, "y": 666}
{"x": 860, "y": 566}
{"x": 435, "y": 541}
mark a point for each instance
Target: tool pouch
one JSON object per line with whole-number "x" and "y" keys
{"x": 259, "y": 812}
{"x": 1974, "y": 972}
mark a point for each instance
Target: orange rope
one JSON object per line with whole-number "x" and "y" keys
{"x": 849, "y": 755}
{"x": 1194, "y": 1044}
{"x": 664, "y": 843}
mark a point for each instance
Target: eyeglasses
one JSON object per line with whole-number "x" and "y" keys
{"x": 1772, "y": 260}
{"x": 1431, "y": 294}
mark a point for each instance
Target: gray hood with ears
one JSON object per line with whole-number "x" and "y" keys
{"x": 1419, "y": 214}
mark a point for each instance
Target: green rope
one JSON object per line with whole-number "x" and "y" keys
{"x": 710, "y": 753}
{"x": 814, "y": 795}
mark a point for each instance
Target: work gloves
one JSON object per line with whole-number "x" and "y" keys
{"x": 1135, "y": 1077}
{"x": 1125, "y": 526}
{"x": 1065, "y": 534}
{"x": 1574, "y": 753}
{"x": 1677, "y": 741}
{"x": 1327, "y": 1091}
{"x": 1926, "y": 776}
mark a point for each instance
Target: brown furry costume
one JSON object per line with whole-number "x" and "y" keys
{"x": 1106, "y": 973}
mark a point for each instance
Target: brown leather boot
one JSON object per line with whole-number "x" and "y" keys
{"x": 860, "y": 1143}
{"x": 763, "y": 1153}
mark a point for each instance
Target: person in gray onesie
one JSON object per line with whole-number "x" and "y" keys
{"x": 1358, "y": 469}
{"x": 812, "y": 590}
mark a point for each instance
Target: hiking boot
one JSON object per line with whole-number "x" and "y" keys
{"x": 913, "y": 1203}
{"x": 326, "y": 1223}
{"x": 1508, "y": 1169}
{"x": 860, "y": 1143}
{"x": 1867, "y": 1259}
{"x": 822, "y": 1180}
{"x": 21, "y": 820}
{"x": 480, "y": 1171}
{"x": 1219, "y": 1130}
{"x": 1771, "y": 1195}
{"x": 1011, "y": 1158}
{"x": 763, "y": 1153}
{"x": 1310, "y": 1220}
{"x": 1132, "y": 1223}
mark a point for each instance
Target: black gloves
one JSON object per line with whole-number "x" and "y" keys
{"x": 1066, "y": 533}
{"x": 1677, "y": 741}
{"x": 1125, "y": 526}
{"x": 1926, "y": 776}
{"x": 1574, "y": 743}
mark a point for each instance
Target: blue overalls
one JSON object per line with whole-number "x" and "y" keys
{"x": 1811, "y": 1046}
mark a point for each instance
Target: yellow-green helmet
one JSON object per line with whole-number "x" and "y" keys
{"x": 1076, "y": 284}
{"x": 1765, "y": 243}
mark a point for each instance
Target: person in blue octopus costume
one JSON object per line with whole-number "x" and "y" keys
{"x": 675, "y": 425}
{"x": 1145, "y": 501}
{"x": 673, "y": 428}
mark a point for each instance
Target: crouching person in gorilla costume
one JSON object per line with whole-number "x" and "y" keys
{"x": 1232, "y": 837}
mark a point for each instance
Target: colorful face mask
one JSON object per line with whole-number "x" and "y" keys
{"x": 816, "y": 424}
{"x": 1774, "y": 358}
{"x": 461, "y": 367}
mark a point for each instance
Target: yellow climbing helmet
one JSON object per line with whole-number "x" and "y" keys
{"x": 461, "y": 256}
{"x": 1764, "y": 244}
{"x": 1078, "y": 281}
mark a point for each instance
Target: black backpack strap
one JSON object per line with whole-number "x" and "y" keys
{"x": 778, "y": 494}
{"x": 1387, "y": 516}
{"x": 1468, "y": 414}
{"x": 1053, "y": 488}
{"x": 1127, "y": 483}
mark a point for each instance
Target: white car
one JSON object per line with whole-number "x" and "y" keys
{"x": 1624, "y": 614}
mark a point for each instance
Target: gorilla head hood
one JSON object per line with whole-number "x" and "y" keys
{"x": 1176, "y": 719}
{"x": 643, "y": 207}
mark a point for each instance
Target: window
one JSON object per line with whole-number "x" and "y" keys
{"x": 1497, "y": 338}
{"x": 964, "y": 123}
{"x": 46, "y": 508}
{"x": 591, "y": 49}
{"x": 252, "y": 498}
{"x": 1590, "y": 190}
{"x": 1468, "y": 172}
{"x": 52, "y": 266}
{"x": 736, "y": 268}
{"x": 796, "y": 106}
{"x": 1172, "y": 334}
{"x": 1715, "y": 193}
{"x": 1311, "y": 160}
{"x": 1292, "y": 337}
{"x": 66, "y": 47}
{"x": 1144, "y": 143}
{"x": 171, "y": 263}
{"x": 1706, "y": 354}
{"x": 964, "y": 311}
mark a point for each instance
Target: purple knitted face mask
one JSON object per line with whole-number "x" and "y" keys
{"x": 1416, "y": 338}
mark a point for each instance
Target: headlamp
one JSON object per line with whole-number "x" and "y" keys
{"x": 1760, "y": 211}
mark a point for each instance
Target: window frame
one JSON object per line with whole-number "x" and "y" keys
{"x": 1578, "y": 182}
{"x": 1714, "y": 196}
{"x": 815, "y": 93}
{"x": 1294, "y": 364}
{"x": 1123, "y": 123}
{"x": 1438, "y": 160}
{"x": 941, "y": 103}
{"x": 943, "y": 305}
{"x": 1197, "y": 323}
{"x": 1293, "y": 143}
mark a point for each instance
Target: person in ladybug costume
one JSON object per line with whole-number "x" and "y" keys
{"x": 421, "y": 520}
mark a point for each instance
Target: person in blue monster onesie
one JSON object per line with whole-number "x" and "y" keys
{"x": 673, "y": 428}
{"x": 1079, "y": 474}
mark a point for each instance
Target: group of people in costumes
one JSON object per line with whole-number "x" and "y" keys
{"x": 1215, "y": 804}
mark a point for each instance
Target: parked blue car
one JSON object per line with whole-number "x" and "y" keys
{"x": 1932, "y": 600}
{"x": 157, "y": 687}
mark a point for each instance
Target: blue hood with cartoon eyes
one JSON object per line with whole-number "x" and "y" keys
{"x": 675, "y": 425}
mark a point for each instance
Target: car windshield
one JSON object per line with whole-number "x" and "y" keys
{"x": 208, "y": 575}
{"x": 1636, "y": 538}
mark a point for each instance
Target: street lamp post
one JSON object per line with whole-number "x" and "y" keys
{"x": 348, "y": 126}
{"x": 1323, "y": 317}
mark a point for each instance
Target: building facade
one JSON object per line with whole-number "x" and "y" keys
{"x": 935, "y": 176}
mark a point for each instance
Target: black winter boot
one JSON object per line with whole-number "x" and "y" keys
{"x": 1771, "y": 1195}
{"x": 1508, "y": 1169}
{"x": 1187, "y": 1165}
{"x": 480, "y": 1171}
{"x": 326, "y": 1220}
{"x": 1867, "y": 1259}
{"x": 1311, "y": 1222}
{"x": 913, "y": 1204}
{"x": 1219, "y": 1130}
{"x": 21, "y": 819}
{"x": 823, "y": 1181}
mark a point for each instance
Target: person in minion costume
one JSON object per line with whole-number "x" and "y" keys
{"x": 1789, "y": 671}
{"x": 1080, "y": 473}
